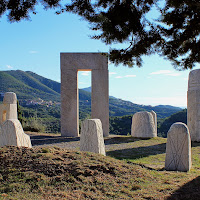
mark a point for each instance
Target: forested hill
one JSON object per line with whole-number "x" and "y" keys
{"x": 30, "y": 86}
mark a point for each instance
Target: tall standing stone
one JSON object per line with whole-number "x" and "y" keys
{"x": 193, "y": 105}
{"x": 71, "y": 63}
{"x": 143, "y": 125}
{"x": 178, "y": 149}
{"x": 91, "y": 138}
{"x": 12, "y": 134}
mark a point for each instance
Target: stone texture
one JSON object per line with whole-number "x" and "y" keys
{"x": 10, "y": 98}
{"x": 91, "y": 138}
{"x": 155, "y": 120}
{"x": 143, "y": 125}
{"x": 178, "y": 149}
{"x": 69, "y": 103}
{"x": 12, "y": 134}
{"x": 100, "y": 98}
{"x": 71, "y": 63}
{"x": 193, "y": 105}
{"x": 8, "y": 110}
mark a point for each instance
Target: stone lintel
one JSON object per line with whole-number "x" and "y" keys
{"x": 85, "y": 61}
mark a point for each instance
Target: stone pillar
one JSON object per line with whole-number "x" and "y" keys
{"x": 91, "y": 138}
{"x": 178, "y": 148}
{"x": 69, "y": 103}
{"x": 100, "y": 98}
{"x": 193, "y": 105}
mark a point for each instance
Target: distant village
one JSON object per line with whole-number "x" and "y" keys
{"x": 30, "y": 102}
{"x": 38, "y": 101}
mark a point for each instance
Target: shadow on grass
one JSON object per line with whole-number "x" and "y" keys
{"x": 189, "y": 191}
{"x": 138, "y": 152}
{"x": 195, "y": 144}
{"x": 41, "y": 139}
{"x": 119, "y": 140}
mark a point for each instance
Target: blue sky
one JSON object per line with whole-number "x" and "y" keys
{"x": 36, "y": 45}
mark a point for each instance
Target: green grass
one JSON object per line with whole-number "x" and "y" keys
{"x": 132, "y": 169}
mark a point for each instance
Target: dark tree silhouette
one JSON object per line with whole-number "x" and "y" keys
{"x": 174, "y": 35}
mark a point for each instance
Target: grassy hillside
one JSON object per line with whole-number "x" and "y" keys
{"x": 135, "y": 171}
{"x": 25, "y": 86}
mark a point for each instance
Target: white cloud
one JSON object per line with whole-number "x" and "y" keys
{"x": 86, "y": 73}
{"x": 166, "y": 73}
{"x": 119, "y": 77}
{"x": 130, "y": 75}
{"x": 82, "y": 83}
{"x": 33, "y": 52}
{"x": 126, "y": 76}
{"x": 9, "y": 67}
{"x": 111, "y": 73}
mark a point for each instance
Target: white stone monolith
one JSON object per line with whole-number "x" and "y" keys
{"x": 12, "y": 134}
{"x": 193, "y": 105}
{"x": 178, "y": 149}
{"x": 70, "y": 64}
{"x": 143, "y": 125}
{"x": 91, "y": 138}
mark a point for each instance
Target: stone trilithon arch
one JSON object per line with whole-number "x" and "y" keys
{"x": 71, "y": 63}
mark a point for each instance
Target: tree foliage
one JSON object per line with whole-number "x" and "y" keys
{"x": 182, "y": 34}
{"x": 175, "y": 34}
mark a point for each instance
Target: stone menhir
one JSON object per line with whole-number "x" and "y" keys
{"x": 8, "y": 110}
{"x": 144, "y": 125}
{"x": 12, "y": 134}
{"x": 193, "y": 105}
{"x": 71, "y": 63}
{"x": 91, "y": 138}
{"x": 178, "y": 149}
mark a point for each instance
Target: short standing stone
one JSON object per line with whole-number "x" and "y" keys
{"x": 91, "y": 138}
{"x": 12, "y": 134}
{"x": 178, "y": 149}
{"x": 143, "y": 125}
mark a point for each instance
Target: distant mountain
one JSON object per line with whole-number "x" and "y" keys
{"x": 88, "y": 89}
{"x": 29, "y": 85}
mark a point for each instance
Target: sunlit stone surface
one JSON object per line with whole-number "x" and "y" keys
{"x": 178, "y": 149}
{"x": 91, "y": 138}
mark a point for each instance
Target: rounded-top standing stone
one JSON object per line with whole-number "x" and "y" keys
{"x": 143, "y": 125}
{"x": 10, "y": 98}
{"x": 91, "y": 138}
{"x": 178, "y": 149}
